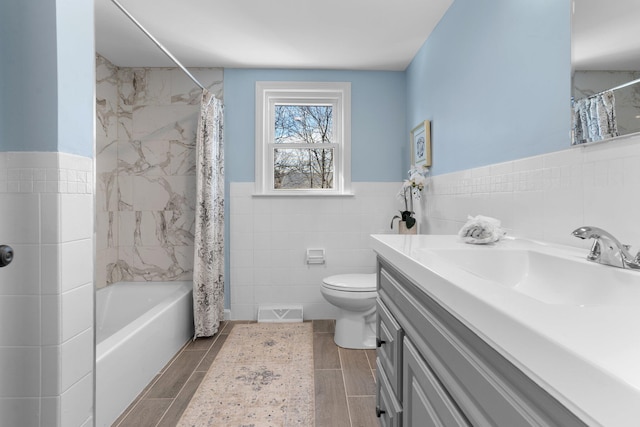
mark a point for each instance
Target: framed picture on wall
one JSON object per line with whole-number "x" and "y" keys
{"x": 421, "y": 144}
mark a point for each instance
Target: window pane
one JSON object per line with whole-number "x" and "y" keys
{"x": 302, "y": 168}
{"x": 303, "y": 124}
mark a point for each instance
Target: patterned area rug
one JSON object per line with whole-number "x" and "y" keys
{"x": 263, "y": 376}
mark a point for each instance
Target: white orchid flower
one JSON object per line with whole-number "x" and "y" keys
{"x": 416, "y": 183}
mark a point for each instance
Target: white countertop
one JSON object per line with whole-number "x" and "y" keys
{"x": 587, "y": 357}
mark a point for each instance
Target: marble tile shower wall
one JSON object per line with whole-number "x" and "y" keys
{"x": 548, "y": 196}
{"x": 145, "y": 164}
{"x": 270, "y": 236}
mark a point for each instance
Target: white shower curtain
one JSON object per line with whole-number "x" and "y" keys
{"x": 208, "y": 268}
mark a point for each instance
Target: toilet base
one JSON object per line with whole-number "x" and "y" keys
{"x": 355, "y": 330}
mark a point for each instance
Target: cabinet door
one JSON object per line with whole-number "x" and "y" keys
{"x": 389, "y": 343}
{"x": 425, "y": 402}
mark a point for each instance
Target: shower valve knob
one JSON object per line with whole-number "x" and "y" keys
{"x": 6, "y": 255}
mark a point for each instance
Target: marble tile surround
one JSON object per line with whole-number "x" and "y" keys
{"x": 145, "y": 168}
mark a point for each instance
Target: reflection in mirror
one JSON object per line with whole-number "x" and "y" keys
{"x": 605, "y": 50}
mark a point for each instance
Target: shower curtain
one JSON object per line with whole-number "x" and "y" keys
{"x": 594, "y": 118}
{"x": 208, "y": 268}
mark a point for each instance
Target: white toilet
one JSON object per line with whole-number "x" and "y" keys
{"x": 355, "y": 296}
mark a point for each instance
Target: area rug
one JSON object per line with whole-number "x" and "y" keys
{"x": 262, "y": 376}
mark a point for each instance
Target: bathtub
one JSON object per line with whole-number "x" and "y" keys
{"x": 140, "y": 326}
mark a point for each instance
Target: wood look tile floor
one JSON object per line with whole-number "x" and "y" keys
{"x": 344, "y": 383}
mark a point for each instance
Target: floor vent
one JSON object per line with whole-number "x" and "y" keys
{"x": 279, "y": 313}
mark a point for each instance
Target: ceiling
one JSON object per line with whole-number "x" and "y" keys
{"x": 332, "y": 34}
{"x": 606, "y": 35}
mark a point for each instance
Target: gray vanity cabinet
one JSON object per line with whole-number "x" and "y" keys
{"x": 434, "y": 370}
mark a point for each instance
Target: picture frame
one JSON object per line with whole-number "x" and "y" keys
{"x": 421, "y": 144}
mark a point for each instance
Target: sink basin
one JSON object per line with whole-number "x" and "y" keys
{"x": 548, "y": 278}
{"x": 568, "y": 323}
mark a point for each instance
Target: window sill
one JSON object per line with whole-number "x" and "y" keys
{"x": 287, "y": 194}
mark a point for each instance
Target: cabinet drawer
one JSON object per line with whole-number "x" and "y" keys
{"x": 425, "y": 402}
{"x": 389, "y": 352}
{"x": 388, "y": 409}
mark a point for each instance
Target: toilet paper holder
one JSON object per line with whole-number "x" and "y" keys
{"x": 315, "y": 256}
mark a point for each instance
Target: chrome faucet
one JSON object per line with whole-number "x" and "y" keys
{"x": 607, "y": 249}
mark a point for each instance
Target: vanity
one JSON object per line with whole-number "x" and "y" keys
{"x": 517, "y": 333}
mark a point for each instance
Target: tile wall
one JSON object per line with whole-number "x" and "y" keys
{"x": 548, "y": 196}
{"x": 46, "y": 293}
{"x": 270, "y": 236}
{"x": 145, "y": 164}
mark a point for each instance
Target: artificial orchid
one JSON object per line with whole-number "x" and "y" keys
{"x": 413, "y": 186}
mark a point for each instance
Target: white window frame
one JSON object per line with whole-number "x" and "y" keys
{"x": 270, "y": 94}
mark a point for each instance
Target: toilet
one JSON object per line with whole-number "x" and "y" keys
{"x": 355, "y": 296}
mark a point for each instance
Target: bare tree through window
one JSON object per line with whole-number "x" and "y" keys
{"x": 304, "y": 155}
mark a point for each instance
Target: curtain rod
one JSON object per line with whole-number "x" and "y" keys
{"x": 622, "y": 86}
{"x": 157, "y": 43}
{"x": 626, "y": 84}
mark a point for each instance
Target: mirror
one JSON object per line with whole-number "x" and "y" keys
{"x": 605, "y": 64}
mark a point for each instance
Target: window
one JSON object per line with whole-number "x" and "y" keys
{"x": 303, "y": 138}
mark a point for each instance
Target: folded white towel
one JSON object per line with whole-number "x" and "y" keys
{"x": 481, "y": 229}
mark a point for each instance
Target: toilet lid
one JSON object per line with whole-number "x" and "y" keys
{"x": 351, "y": 282}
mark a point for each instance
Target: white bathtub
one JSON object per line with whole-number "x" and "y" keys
{"x": 140, "y": 326}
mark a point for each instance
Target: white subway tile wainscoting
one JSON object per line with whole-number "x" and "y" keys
{"x": 270, "y": 236}
{"x": 545, "y": 197}
{"x": 46, "y": 297}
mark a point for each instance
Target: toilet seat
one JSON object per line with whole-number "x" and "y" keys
{"x": 351, "y": 282}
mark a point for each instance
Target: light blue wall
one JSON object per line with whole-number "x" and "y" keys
{"x": 47, "y": 76}
{"x": 28, "y": 85}
{"x": 379, "y": 147}
{"x": 494, "y": 79}
{"x": 76, "y": 77}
